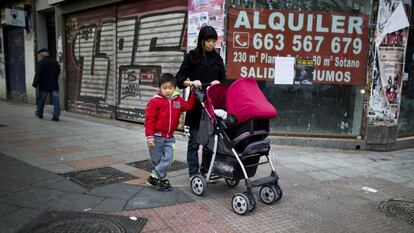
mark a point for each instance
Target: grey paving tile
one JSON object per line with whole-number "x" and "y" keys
{"x": 30, "y": 175}
{"x": 74, "y": 202}
{"x": 58, "y": 168}
{"x": 324, "y": 165}
{"x": 32, "y": 197}
{"x": 323, "y": 175}
{"x": 117, "y": 191}
{"x": 343, "y": 172}
{"x": 110, "y": 205}
{"x": 9, "y": 186}
{"x": 303, "y": 167}
{"x": 12, "y": 222}
{"x": 6, "y": 209}
{"x": 392, "y": 177}
{"x": 409, "y": 184}
{"x": 63, "y": 185}
{"x": 149, "y": 198}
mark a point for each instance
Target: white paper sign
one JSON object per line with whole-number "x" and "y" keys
{"x": 284, "y": 70}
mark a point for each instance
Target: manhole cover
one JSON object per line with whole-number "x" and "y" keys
{"x": 147, "y": 165}
{"x": 99, "y": 177}
{"x": 398, "y": 208}
{"x": 74, "y": 222}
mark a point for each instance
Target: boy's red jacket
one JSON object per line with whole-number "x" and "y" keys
{"x": 162, "y": 115}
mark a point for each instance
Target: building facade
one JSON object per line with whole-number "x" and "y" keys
{"x": 113, "y": 51}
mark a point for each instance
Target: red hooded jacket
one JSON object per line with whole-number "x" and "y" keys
{"x": 162, "y": 115}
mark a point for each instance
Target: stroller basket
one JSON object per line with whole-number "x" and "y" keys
{"x": 227, "y": 166}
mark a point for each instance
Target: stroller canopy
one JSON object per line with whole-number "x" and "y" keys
{"x": 246, "y": 101}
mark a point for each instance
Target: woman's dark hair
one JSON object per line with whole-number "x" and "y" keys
{"x": 167, "y": 77}
{"x": 206, "y": 33}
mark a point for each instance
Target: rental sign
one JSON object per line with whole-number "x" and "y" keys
{"x": 336, "y": 42}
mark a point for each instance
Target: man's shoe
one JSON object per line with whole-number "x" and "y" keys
{"x": 38, "y": 115}
{"x": 166, "y": 184}
{"x": 55, "y": 119}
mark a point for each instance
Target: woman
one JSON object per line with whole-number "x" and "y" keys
{"x": 202, "y": 65}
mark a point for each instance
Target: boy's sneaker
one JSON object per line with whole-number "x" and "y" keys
{"x": 155, "y": 182}
{"x": 166, "y": 184}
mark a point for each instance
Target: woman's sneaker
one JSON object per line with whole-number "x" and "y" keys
{"x": 155, "y": 182}
{"x": 166, "y": 184}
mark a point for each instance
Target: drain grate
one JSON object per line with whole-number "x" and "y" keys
{"x": 80, "y": 222}
{"x": 400, "y": 208}
{"x": 98, "y": 177}
{"x": 147, "y": 165}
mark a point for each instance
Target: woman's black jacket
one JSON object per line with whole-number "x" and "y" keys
{"x": 204, "y": 67}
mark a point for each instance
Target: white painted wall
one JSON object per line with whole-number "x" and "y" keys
{"x": 30, "y": 61}
{"x": 3, "y": 94}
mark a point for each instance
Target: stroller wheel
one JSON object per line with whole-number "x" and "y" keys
{"x": 232, "y": 182}
{"x": 269, "y": 194}
{"x": 198, "y": 184}
{"x": 252, "y": 201}
{"x": 279, "y": 193}
{"x": 240, "y": 203}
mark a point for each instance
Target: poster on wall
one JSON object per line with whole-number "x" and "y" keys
{"x": 304, "y": 71}
{"x": 390, "y": 44}
{"x": 201, "y": 13}
{"x": 336, "y": 42}
{"x": 390, "y": 60}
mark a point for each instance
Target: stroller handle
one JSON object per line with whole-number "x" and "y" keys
{"x": 201, "y": 93}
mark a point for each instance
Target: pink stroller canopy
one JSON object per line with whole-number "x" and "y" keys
{"x": 246, "y": 101}
{"x": 243, "y": 99}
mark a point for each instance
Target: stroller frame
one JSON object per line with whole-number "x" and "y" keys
{"x": 270, "y": 191}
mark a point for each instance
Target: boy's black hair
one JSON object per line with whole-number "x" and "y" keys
{"x": 167, "y": 77}
{"x": 206, "y": 32}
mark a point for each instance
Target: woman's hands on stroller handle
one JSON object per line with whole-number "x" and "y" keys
{"x": 199, "y": 85}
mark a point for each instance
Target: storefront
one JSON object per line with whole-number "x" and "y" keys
{"x": 317, "y": 61}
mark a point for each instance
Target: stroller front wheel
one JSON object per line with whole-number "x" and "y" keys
{"x": 240, "y": 203}
{"x": 198, "y": 185}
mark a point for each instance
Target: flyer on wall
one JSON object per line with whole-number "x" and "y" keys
{"x": 202, "y": 13}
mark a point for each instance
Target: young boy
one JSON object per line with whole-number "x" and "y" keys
{"x": 161, "y": 120}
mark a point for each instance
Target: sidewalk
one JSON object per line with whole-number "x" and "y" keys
{"x": 322, "y": 187}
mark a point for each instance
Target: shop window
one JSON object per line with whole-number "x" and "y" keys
{"x": 406, "y": 118}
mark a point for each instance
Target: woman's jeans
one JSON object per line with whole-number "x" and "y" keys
{"x": 192, "y": 155}
{"x": 41, "y": 103}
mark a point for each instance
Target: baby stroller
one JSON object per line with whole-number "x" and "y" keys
{"x": 238, "y": 142}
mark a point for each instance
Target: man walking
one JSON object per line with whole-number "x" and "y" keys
{"x": 46, "y": 80}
